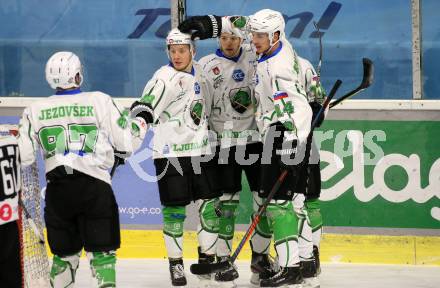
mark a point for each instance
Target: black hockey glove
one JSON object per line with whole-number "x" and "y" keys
{"x": 315, "y": 108}
{"x": 143, "y": 110}
{"x": 202, "y": 27}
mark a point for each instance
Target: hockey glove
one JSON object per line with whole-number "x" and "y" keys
{"x": 315, "y": 108}
{"x": 202, "y": 27}
{"x": 143, "y": 110}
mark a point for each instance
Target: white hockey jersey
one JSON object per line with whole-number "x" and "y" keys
{"x": 280, "y": 94}
{"x": 80, "y": 130}
{"x": 10, "y": 175}
{"x": 180, "y": 103}
{"x": 233, "y": 113}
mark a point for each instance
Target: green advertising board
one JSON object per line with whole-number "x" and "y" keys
{"x": 377, "y": 174}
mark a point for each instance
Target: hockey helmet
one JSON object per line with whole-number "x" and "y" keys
{"x": 176, "y": 37}
{"x": 267, "y": 21}
{"x": 61, "y": 69}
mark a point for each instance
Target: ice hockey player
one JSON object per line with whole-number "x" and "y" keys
{"x": 11, "y": 274}
{"x": 283, "y": 118}
{"x": 307, "y": 204}
{"x": 232, "y": 72}
{"x": 78, "y": 133}
{"x": 176, "y": 101}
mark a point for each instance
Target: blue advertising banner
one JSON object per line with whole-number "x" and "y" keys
{"x": 121, "y": 43}
{"x": 430, "y": 49}
{"x": 134, "y": 184}
{"x": 351, "y": 30}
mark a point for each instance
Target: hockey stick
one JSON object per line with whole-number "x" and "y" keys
{"x": 325, "y": 104}
{"x": 318, "y": 70}
{"x": 367, "y": 80}
{"x": 31, "y": 222}
{"x": 208, "y": 268}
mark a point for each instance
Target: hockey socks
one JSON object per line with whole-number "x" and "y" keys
{"x": 305, "y": 242}
{"x": 314, "y": 213}
{"x": 173, "y": 217}
{"x": 260, "y": 240}
{"x": 228, "y": 207}
{"x": 284, "y": 223}
{"x": 209, "y": 226}
{"x": 62, "y": 273}
{"x": 103, "y": 269}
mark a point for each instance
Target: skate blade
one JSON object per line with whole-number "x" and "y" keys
{"x": 312, "y": 282}
{"x": 255, "y": 279}
{"x": 294, "y": 286}
{"x": 207, "y": 283}
{"x": 225, "y": 284}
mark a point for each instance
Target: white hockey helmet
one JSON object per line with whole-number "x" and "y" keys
{"x": 176, "y": 37}
{"x": 61, "y": 69}
{"x": 267, "y": 21}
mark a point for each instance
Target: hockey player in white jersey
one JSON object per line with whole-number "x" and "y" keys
{"x": 306, "y": 204}
{"x": 78, "y": 133}
{"x": 176, "y": 101}
{"x": 283, "y": 118}
{"x": 232, "y": 71}
{"x": 11, "y": 274}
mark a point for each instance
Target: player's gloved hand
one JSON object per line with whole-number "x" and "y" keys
{"x": 143, "y": 110}
{"x": 202, "y": 27}
{"x": 315, "y": 109}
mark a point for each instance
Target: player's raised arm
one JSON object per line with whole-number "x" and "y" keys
{"x": 211, "y": 26}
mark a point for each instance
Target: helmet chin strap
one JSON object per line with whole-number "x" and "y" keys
{"x": 270, "y": 47}
{"x": 189, "y": 66}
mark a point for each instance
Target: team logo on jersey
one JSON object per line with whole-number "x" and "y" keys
{"x": 196, "y": 111}
{"x": 240, "y": 99}
{"x": 238, "y": 75}
{"x": 196, "y": 88}
{"x": 216, "y": 70}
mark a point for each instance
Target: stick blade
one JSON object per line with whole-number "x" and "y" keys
{"x": 368, "y": 76}
{"x": 204, "y": 268}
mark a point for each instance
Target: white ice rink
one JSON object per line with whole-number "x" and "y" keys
{"x": 154, "y": 273}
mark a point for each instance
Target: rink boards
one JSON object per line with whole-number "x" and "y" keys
{"x": 380, "y": 177}
{"x": 335, "y": 248}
